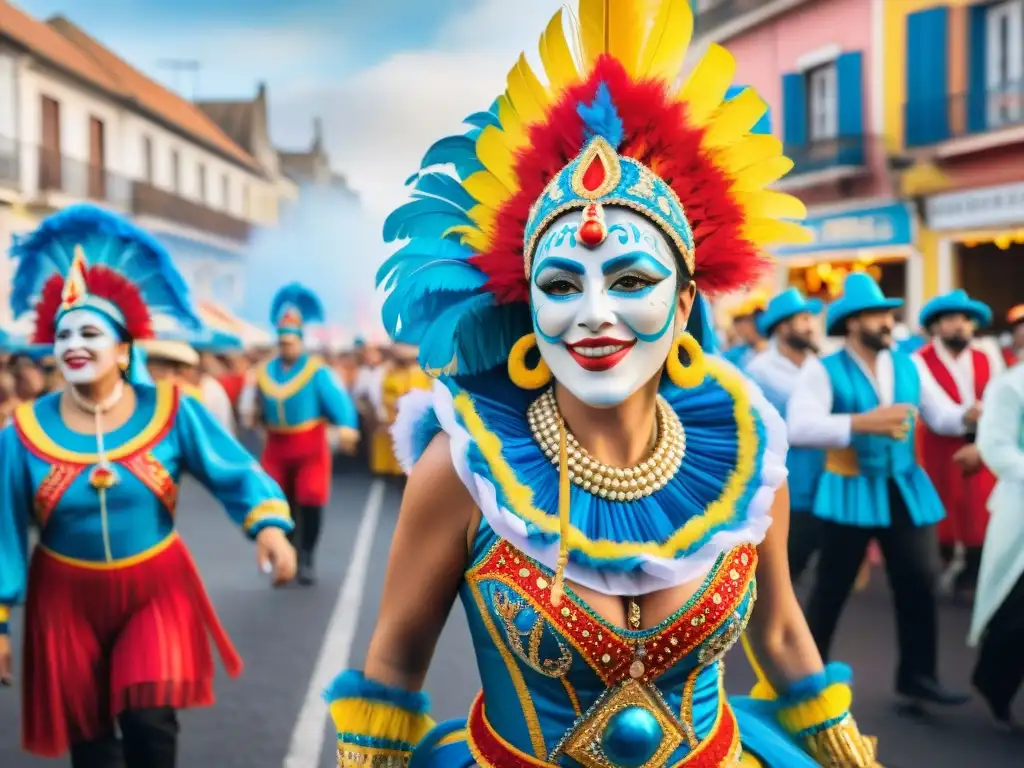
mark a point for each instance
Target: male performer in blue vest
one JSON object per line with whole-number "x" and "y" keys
{"x": 860, "y": 404}
{"x": 299, "y": 398}
{"x": 788, "y": 322}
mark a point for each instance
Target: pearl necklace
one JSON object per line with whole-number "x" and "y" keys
{"x": 101, "y": 407}
{"x": 614, "y": 483}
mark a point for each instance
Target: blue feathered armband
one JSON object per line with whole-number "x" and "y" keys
{"x": 376, "y": 723}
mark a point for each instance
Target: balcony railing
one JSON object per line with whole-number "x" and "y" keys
{"x": 148, "y": 200}
{"x": 824, "y": 154}
{"x": 10, "y": 164}
{"x": 78, "y": 179}
{"x": 711, "y": 14}
{"x": 931, "y": 121}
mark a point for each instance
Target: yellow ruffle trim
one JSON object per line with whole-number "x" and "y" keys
{"x": 379, "y": 720}
{"x": 831, "y": 704}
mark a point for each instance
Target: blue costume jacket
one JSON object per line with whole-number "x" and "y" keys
{"x": 303, "y": 395}
{"x": 854, "y": 487}
{"x": 51, "y": 472}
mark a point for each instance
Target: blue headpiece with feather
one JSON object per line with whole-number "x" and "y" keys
{"x": 294, "y": 306}
{"x": 86, "y": 257}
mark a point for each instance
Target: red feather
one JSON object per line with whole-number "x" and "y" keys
{"x": 104, "y": 283}
{"x": 657, "y": 134}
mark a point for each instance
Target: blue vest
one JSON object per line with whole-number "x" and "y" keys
{"x": 861, "y": 497}
{"x": 805, "y": 465}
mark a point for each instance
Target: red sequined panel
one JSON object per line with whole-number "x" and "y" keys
{"x": 154, "y": 475}
{"x": 608, "y": 652}
{"x": 50, "y": 491}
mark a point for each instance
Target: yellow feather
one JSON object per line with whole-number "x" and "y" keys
{"x": 761, "y": 174}
{"x": 767, "y": 204}
{"x": 747, "y": 152}
{"x": 592, "y": 30}
{"x": 483, "y": 217}
{"x": 493, "y": 151}
{"x": 511, "y": 123}
{"x": 734, "y": 119}
{"x": 559, "y": 65}
{"x": 708, "y": 83}
{"x": 627, "y": 31}
{"x": 527, "y": 93}
{"x": 486, "y": 189}
{"x": 765, "y": 232}
{"x": 665, "y": 50}
{"x": 471, "y": 236}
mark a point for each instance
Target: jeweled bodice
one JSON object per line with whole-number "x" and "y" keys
{"x": 563, "y": 685}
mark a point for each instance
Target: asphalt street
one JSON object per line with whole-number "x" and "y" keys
{"x": 272, "y": 718}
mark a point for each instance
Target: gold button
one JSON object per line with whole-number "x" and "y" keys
{"x": 606, "y": 659}
{"x": 542, "y": 583}
{"x": 636, "y": 670}
{"x": 565, "y": 611}
{"x": 524, "y": 572}
{"x": 734, "y": 574}
{"x": 716, "y": 599}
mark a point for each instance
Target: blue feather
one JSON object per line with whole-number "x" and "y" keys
{"x": 444, "y": 187}
{"x": 425, "y": 217}
{"x": 483, "y": 119}
{"x": 412, "y": 179}
{"x": 108, "y": 240}
{"x": 299, "y": 297}
{"x": 417, "y": 252}
{"x": 601, "y": 117}
{"x": 459, "y": 151}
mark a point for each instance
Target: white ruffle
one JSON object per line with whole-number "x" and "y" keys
{"x": 413, "y": 407}
{"x": 657, "y": 573}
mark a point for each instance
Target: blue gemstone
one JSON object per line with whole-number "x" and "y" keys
{"x": 631, "y": 737}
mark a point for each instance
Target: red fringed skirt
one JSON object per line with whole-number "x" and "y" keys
{"x": 102, "y": 640}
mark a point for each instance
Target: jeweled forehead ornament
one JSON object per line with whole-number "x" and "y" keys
{"x": 598, "y": 177}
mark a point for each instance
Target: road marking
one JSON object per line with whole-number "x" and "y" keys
{"x": 308, "y": 735}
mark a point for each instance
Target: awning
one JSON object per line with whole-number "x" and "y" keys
{"x": 218, "y": 319}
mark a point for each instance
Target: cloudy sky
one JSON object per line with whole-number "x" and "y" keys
{"x": 388, "y": 77}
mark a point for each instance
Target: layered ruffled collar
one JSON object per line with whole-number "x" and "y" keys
{"x": 721, "y": 495}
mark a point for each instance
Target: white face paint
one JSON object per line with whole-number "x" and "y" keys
{"x": 605, "y": 318}
{"x": 85, "y": 347}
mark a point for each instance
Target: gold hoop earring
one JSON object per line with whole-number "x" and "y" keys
{"x": 522, "y": 375}
{"x": 122, "y": 364}
{"x": 690, "y": 375}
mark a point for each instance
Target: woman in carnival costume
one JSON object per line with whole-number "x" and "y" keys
{"x": 601, "y": 507}
{"x": 117, "y": 622}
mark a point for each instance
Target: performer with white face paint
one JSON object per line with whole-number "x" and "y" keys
{"x": 117, "y": 622}
{"x": 595, "y": 487}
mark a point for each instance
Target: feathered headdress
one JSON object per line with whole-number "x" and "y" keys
{"x": 608, "y": 127}
{"x": 87, "y": 257}
{"x": 294, "y": 306}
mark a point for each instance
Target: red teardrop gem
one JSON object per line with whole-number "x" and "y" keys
{"x": 594, "y": 174}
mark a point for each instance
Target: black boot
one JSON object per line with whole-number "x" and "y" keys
{"x": 925, "y": 690}
{"x": 101, "y": 753}
{"x": 307, "y": 574}
{"x": 312, "y": 519}
{"x": 150, "y": 737}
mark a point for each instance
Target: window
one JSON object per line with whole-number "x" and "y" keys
{"x": 201, "y": 182}
{"x": 225, "y": 192}
{"x": 246, "y": 201}
{"x": 822, "y": 103}
{"x": 1004, "y": 64}
{"x": 147, "y": 159}
{"x": 8, "y": 102}
{"x": 50, "y": 165}
{"x": 175, "y": 170}
{"x": 97, "y": 160}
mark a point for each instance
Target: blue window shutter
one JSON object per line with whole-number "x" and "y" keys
{"x": 764, "y": 125}
{"x": 794, "y": 109}
{"x": 926, "y": 113}
{"x": 977, "y": 20}
{"x": 850, "y": 87}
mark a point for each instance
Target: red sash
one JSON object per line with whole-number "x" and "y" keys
{"x": 963, "y": 497}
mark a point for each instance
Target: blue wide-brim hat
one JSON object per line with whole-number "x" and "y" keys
{"x": 787, "y": 304}
{"x": 955, "y": 302}
{"x": 860, "y": 294}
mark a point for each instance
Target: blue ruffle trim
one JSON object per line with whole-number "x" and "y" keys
{"x": 353, "y": 684}
{"x": 712, "y": 443}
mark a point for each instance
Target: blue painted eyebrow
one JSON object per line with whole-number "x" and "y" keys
{"x": 566, "y": 265}
{"x": 635, "y": 259}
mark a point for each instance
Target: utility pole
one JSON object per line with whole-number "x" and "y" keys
{"x": 179, "y": 66}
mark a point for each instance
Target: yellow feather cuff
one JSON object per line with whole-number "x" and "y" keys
{"x": 5, "y": 614}
{"x": 832, "y": 704}
{"x": 376, "y": 733}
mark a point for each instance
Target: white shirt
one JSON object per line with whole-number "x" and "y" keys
{"x": 774, "y": 371}
{"x": 247, "y": 403}
{"x": 368, "y": 385}
{"x": 217, "y": 402}
{"x": 812, "y": 424}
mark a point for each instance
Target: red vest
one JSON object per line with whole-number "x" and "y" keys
{"x": 963, "y": 497}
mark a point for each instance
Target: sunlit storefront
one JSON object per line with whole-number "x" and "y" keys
{"x": 980, "y": 236}
{"x": 876, "y": 239}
